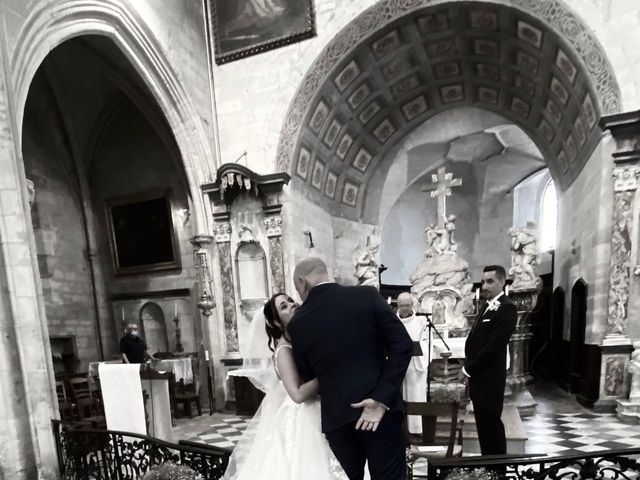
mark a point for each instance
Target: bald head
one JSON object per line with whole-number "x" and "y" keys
{"x": 308, "y": 273}
{"x": 405, "y": 305}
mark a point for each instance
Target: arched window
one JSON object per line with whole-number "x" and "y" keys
{"x": 548, "y": 217}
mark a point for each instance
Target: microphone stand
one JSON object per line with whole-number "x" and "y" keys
{"x": 430, "y": 326}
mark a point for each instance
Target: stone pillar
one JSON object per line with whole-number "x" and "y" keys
{"x": 222, "y": 234}
{"x": 519, "y": 375}
{"x": 26, "y": 371}
{"x": 273, "y": 225}
{"x": 616, "y": 345}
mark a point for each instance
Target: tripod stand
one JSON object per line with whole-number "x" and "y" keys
{"x": 430, "y": 326}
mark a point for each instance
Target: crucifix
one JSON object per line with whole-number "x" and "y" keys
{"x": 440, "y": 187}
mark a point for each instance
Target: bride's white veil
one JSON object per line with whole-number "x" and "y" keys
{"x": 257, "y": 366}
{"x": 257, "y": 362}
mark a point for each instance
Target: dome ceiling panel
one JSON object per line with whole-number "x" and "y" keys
{"x": 441, "y": 57}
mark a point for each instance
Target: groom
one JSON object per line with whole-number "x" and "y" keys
{"x": 350, "y": 339}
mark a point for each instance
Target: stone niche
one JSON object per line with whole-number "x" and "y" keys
{"x": 154, "y": 312}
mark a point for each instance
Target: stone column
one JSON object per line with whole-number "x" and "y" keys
{"x": 616, "y": 345}
{"x": 273, "y": 225}
{"x": 222, "y": 234}
{"x": 26, "y": 370}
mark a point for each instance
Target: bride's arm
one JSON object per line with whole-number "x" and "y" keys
{"x": 291, "y": 379}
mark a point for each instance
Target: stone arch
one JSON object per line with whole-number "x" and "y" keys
{"x": 399, "y": 63}
{"x": 49, "y": 25}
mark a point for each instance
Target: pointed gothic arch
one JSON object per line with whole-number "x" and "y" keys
{"x": 51, "y": 24}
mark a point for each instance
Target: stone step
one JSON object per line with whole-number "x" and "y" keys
{"x": 628, "y": 411}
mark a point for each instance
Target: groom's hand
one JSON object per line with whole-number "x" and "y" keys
{"x": 372, "y": 413}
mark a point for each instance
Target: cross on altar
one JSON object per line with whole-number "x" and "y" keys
{"x": 441, "y": 188}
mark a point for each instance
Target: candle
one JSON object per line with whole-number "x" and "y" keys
{"x": 175, "y": 309}
{"x": 389, "y": 300}
{"x": 477, "y": 294}
{"x": 506, "y": 290}
{"x": 206, "y": 355}
{"x": 122, "y": 311}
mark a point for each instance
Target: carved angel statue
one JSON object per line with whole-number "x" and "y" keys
{"x": 524, "y": 257}
{"x": 366, "y": 263}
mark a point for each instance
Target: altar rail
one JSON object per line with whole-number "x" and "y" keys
{"x": 111, "y": 455}
{"x": 621, "y": 464}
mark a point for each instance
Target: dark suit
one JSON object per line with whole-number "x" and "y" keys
{"x": 350, "y": 339}
{"x": 486, "y": 364}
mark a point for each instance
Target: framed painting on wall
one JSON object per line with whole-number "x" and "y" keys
{"x": 141, "y": 233}
{"x": 241, "y": 28}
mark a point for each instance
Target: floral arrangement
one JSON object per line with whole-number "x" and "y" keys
{"x": 471, "y": 474}
{"x": 447, "y": 393}
{"x": 171, "y": 471}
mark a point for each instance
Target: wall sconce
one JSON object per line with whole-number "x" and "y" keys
{"x": 307, "y": 234}
{"x": 206, "y": 302}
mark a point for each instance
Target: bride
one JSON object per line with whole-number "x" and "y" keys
{"x": 283, "y": 440}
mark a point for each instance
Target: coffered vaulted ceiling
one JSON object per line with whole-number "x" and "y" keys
{"x": 459, "y": 54}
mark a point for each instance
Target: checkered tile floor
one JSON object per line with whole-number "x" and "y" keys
{"x": 575, "y": 433}
{"x": 553, "y": 434}
{"x": 223, "y": 432}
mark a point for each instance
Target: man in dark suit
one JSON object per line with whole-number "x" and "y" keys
{"x": 352, "y": 342}
{"x": 485, "y": 365}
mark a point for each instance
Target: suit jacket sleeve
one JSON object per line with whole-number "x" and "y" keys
{"x": 302, "y": 362}
{"x": 504, "y": 325}
{"x": 398, "y": 346}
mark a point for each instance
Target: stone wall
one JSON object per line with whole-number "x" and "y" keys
{"x": 131, "y": 150}
{"x": 58, "y": 227}
{"x": 584, "y": 235}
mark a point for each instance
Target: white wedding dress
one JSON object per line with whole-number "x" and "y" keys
{"x": 284, "y": 440}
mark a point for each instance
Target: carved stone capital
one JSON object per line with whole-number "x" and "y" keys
{"x": 625, "y": 178}
{"x": 273, "y": 226}
{"x": 222, "y": 232}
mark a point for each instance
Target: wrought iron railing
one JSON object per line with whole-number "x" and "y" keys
{"x": 111, "y": 455}
{"x": 618, "y": 464}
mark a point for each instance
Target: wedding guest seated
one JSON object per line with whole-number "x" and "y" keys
{"x": 133, "y": 348}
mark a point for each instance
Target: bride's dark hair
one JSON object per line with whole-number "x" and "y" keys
{"x": 273, "y": 325}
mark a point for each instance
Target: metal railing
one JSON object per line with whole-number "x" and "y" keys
{"x": 619, "y": 464}
{"x": 85, "y": 454}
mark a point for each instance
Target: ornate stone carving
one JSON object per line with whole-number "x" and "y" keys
{"x": 376, "y": 18}
{"x": 440, "y": 284}
{"x": 620, "y": 273}
{"x": 524, "y": 257}
{"x": 626, "y": 178}
{"x": 246, "y": 235}
{"x": 31, "y": 188}
{"x": 273, "y": 226}
{"x": 366, "y": 263}
{"x": 222, "y": 232}
{"x": 614, "y": 377}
